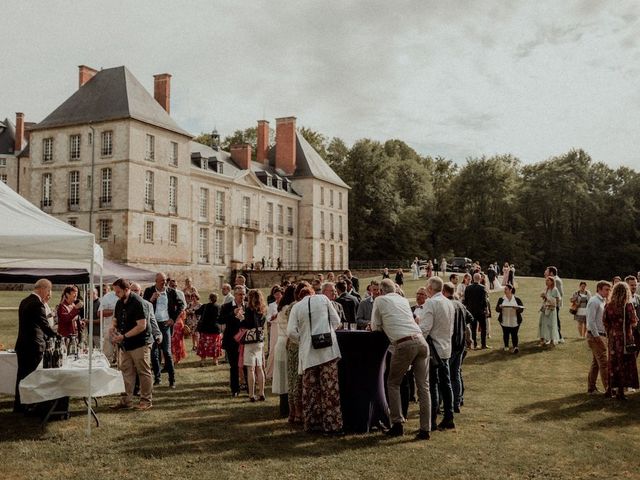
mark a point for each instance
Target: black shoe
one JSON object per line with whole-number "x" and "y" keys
{"x": 396, "y": 430}
{"x": 456, "y": 409}
{"x": 156, "y": 381}
{"x": 446, "y": 425}
{"x": 235, "y": 394}
{"x": 423, "y": 435}
{"x": 136, "y": 393}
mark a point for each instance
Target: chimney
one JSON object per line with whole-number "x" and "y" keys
{"x": 263, "y": 142}
{"x": 286, "y": 144}
{"x": 162, "y": 90}
{"x": 19, "y": 132}
{"x": 85, "y": 74}
{"x": 241, "y": 154}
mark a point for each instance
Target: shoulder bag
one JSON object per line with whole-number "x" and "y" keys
{"x": 253, "y": 335}
{"x": 320, "y": 340}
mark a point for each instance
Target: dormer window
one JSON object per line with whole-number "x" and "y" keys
{"x": 203, "y": 163}
{"x": 269, "y": 182}
{"x": 219, "y": 167}
{"x": 279, "y": 184}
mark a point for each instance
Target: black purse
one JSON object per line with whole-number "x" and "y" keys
{"x": 320, "y": 340}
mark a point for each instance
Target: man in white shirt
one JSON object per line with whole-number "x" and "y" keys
{"x": 107, "y": 307}
{"x": 392, "y": 314}
{"x": 436, "y": 321}
{"x": 596, "y": 338}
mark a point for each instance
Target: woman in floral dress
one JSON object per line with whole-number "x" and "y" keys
{"x": 620, "y": 321}
{"x": 209, "y": 331}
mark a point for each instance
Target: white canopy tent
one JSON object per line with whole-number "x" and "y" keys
{"x": 30, "y": 237}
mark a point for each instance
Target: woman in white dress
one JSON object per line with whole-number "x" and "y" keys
{"x": 272, "y": 312}
{"x": 280, "y": 383}
{"x": 548, "y": 326}
{"x": 415, "y": 269}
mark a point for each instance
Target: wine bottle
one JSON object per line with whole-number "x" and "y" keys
{"x": 47, "y": 358}
{"x": 57, "y": 356}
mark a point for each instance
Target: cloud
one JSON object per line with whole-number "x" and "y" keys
{"x": 552, "y": 35}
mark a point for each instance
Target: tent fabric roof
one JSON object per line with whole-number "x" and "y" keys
{"x": 112, "y": 94}
{"x": 30, "y": 237}
{"x": 62, "y": 276}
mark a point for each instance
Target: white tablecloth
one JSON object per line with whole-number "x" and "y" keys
{"x": 8, "y": 372}
{"x": 72, "y": 380}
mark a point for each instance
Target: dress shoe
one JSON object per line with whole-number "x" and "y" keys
{"x": 235, "y": 394}
{"x": 261, "y": 398}
{"x": 156, "y": 381}
{"x": 446, "y": 425}
{"x": 516, "y": 350}
{"x": 423, "y": 435}
{"x": 396, "y": 430}
{"x": 456, "y": 409}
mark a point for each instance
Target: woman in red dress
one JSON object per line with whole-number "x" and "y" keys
{"x": 620, "y": 320}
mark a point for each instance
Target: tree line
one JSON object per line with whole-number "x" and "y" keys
{"x": 569, "y": 211}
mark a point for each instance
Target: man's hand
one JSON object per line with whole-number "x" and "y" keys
{"x": 170, "y": 323}
{"x": 154, "y": 297}
{"x": 158, "y": 340}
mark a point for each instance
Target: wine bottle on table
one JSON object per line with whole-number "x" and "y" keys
{"x": 48, "y": 357}
{"x": 56, "y": 361}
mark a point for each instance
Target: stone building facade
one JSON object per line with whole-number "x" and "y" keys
{"x": 111, "y": 160}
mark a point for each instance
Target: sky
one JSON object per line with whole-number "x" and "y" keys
{"x": 455, "y": 79}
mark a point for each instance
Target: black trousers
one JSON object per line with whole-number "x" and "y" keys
{"x": 558, "y": 316}
{"x": 233, "y": 355}
{"x": 27, "y": 363}
{"x": 482, "y": 321}
{"x": 510, "y": 332}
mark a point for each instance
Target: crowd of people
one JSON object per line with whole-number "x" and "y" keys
{"x": 290, "y": 336}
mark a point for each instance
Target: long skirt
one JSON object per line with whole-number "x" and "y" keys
{"x": 321, "y": 398}
{"x": 623, "y": 370}
{"x": 548, "y": 326}
{"x": 294, "y": 381}
{"x": 210, "y": 345}
{"x": 280, "y": 382}
{"x": 273, "y": 339}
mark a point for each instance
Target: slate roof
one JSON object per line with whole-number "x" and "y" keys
{"x": 309, "y": 163}
{"x": 112, "y": 94}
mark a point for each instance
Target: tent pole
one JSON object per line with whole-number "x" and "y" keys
{"x": 90, "y": 346}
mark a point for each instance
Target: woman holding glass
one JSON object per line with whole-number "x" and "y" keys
{"x": 510, "y": 310}
{"x": 580, "y": 299}
{"x": 548, "y": 326}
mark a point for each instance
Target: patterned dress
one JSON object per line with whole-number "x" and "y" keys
{"x": 321, "y": 394}
{"x": 294, "y": 382}
{"x": 178, "y": 350}
{"x": 623, "y": 371}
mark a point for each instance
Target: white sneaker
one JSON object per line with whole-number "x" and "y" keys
{"x": 506, "y": 349}
{"x": 561, "y": 340}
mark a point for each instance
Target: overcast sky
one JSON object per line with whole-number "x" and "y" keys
{"x": 456, "y": 79}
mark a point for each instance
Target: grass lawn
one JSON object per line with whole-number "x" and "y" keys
{"x": 526, "y": 416}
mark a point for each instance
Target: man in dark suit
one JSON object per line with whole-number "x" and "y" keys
{"x": 230, "y": 315}
{"x": 475, "y": 299}
{"x": 167, "y": 307}
{"x": 348, "y": 302}
{"x": 355, "y": 281}
{"x": 33, "y": 332}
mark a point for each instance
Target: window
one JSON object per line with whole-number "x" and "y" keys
{"x": 74, "y": 147}
{"x": 340, "y": 202}
{"x": 279, "y": 251}
{"x": 150, "y": 147}
{"x": 269, "y": 182}
{"x": 148, "y": 190}
{"x": 3, "y": 178}
{"x": 203, "y": 245}
{"x": 340, "y": 233}
{"x": 173, "y": 154}
{"x": 280, "y": 219}
{"x": 106, "y": 150}
{"x": 321, "y": 195}
{"x": 331, "y": 198}
{"x": 73, "y": 221}
{"x": 204, "y": 204}
{"x": 322, "y": 224}
{"x": 173, "y": 233}
{"x": 3, "y": 162}
{"x": 74, "y": 188}
{"x": 341, "y": 257}
{"x": 290, "y": 220}
{"x": 322, "y": 263}
{"x": 47, "y": 181}
{"x": 47, "y": 149}
{"x": 331, "y": 234}
{"x": 219, "y": 247}
{"x": 289, "y": 255}
{"x": 173, "y": 195}
{"x": 105, "y": 188}
{"x": 246, "y": 210}
{"x": 105, "y": 229}
{"x": 270, "y": 217}
{"x": 332, "y": 256}
{"x": 148, "y": 231}
{"x": 220, "y": 207}
{"x": 270, "y": 248}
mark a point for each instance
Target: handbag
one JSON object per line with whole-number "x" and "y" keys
{"x": 253, "y": 335}
{"x": 628, "y": 347}
{"x": 320, "y": 340}
{"x": 573, "y": 309}
{"x": 435, "y": 360}
{"x": 238, "y": 337}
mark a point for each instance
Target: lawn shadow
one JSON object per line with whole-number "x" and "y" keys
{"x": 484, "y": 357}
{"x": 614, "y": 412}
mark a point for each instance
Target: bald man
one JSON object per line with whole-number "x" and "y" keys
{"x": 33, "y": 332}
